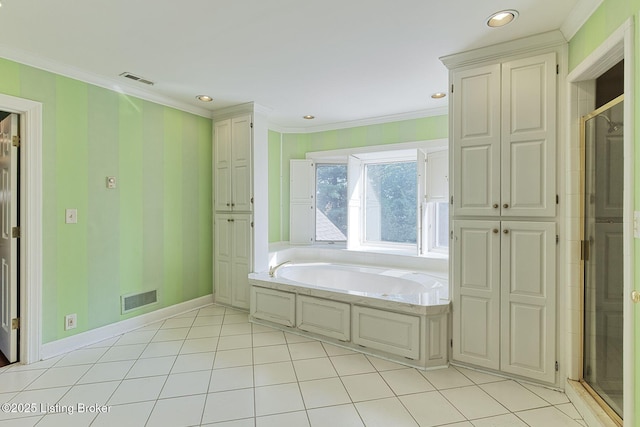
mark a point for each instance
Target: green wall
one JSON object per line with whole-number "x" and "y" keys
{"x": 152, "y": 232}
{"x": 605, "y": 20}
{"x": 296, "y": 145}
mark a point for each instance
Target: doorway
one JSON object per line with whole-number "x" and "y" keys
{"x": 602, "y": 255}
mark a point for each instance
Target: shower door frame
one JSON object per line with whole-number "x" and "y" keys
{"x": 583, "y": 149}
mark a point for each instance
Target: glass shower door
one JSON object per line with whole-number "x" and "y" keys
{"x": 602, "y": 253}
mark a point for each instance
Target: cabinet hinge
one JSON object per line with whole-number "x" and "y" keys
{"x": 451, "y": 199}
{"x": 584, "y": 250}
{"x": 15, "y": 232}
{"x": 15, "y": 323}
{"x": 557, "y": 68}
{"x": 251, "y": 224}
{"x": 557, "y": 366}
{"x": 557, "y": 199}
{"x": 252, "y": 200}
{"x": 251, "y": 125}
{"x": 451, "y": 343}
{"x": 451, "y": 88}
{"x": 15, "y": 140}
{"x": 557, "y": 239}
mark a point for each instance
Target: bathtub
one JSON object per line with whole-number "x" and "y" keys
{"x": 395, "y": 314}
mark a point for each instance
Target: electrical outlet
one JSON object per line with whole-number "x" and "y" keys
{"x": 70, "y": 321}
{"x": 71, "y": 216}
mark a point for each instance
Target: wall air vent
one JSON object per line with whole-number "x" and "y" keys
{"x": 135, "y": 301}
{"x": 139, "y": 79}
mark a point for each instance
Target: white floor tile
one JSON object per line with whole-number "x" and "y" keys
{"x": 160, "y": 349}
{"x": 268, "y": 338}
{"x": 473, "y": 402}
{"x": 352, "y": 364}
{"x": 246, "y": 422}
{"x": 276, "y": 399}
{"x": 228, "y": 405}
{"x": 446, "y": 378}
{"x": 384, "y": 365}
{"x": 212, "y": 310}
{"x": 406, "y": 381}
{"x": 40, "y": 399}
{"x": 306, "y": 350}
{"x": 545, "y": 417}
{"x": 385, "y": 412}
{"x": 325, "y": 392}
{"x": 334, "y": 416}
{"x": 108, "y": 371}
{"x": 552, "y": 396}
{"x": 366, "y": 387}
{"x": 123, "y": 352}
{"x": 235, "y": 329}
{"x": 235, "y": 318}
{"x": 135, "y": 337}
{"x": 297, "y": 419}
{"x": 204, "y": 331}
{"x": 176, "y": 334}
{"x": 199, "y": 345}
{"x": 313, "y": 369}
{"x": 234, "y": 342}
{"x": 57, "y": 377}
{"x": 294, "y": 338}
{"x": 65, "y": 420}
{"x": 208, "y": 320}
{"x": 186, "y": 384}
{"x": 479, "y": 377}
{"x": 16, "y": 381}
{"x": 334, "y": 350}
{"x": 233, "y": 358}
{"x": 178, "y": 322}
{"x": 90, "y": 394}
{"x": 231, "y": 379}
{"x": 513, "y": 396}
{"x": 151, "y": 367}
{"x": 569, "y": 410}
{"x": 82, "y": 357}
{"x": 105, "y": 343}
{"x": 132, "y": 414}
{"x": 431, "y": 409}
{"x": 270, "y": 354}
{"x": 274, "y": 373}
{"x": 22, "y": 422}
{"x": 506, "y": 420}
{"x": 178, "y": 412}
{"x": 193, "y": 362}
{"x": 137, "y": 390}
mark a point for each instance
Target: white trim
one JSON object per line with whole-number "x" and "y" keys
{"x": 411, "y": 115}
{"x": 116, "y": 84}
{"x": 580, "y": 13}
{"x": 619, "y": 45}
{"x": 30, "y": 223}
{"x": 83, "y": 339}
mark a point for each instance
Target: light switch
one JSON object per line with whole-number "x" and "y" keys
{"x": 71, "y": 216}
{"x": 111, "y": 182}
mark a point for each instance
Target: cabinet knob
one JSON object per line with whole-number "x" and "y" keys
{"x": 233, "y": 204}
{"x": 495, "y": 230}
{"x": 505, "y": 231}
{"x": 506, "y": 205}
{"x": 496, "y": 206}
{"x": 228, "y": 204}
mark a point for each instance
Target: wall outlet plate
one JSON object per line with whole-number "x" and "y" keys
{"x": 71, "y": 216}
{"x": 111, "y": 182}
{"x": 70, "y": 321}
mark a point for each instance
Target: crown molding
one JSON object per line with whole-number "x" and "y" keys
{"x": 496, "y": 52}
{"x": 580, "y": 13}
{"x": 116, "y": 85}
{"x": 419, "y": 114}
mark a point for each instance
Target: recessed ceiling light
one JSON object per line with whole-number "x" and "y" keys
{"x": 502, "y": 18}
{"x": 204, "y": 98}
{"x": 309, "y": 117}
{"x": 438, "y": 95}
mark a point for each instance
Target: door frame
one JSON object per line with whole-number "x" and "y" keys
{"x": 30, "y": 303}
{"x": 619, "y": 45}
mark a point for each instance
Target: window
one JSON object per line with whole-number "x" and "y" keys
{"x": 390, "y": 202}
{"x": 331, "y": 202}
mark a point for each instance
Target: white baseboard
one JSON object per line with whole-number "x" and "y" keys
{"x": 65, "y": 345}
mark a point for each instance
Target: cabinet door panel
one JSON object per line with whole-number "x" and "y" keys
{"x": 476, "y": 136}
{"x": 476, "y": 293}
{"x": 528, "y": 299}
{"x": 241, "y": 163}
{"x": 222, "y": 257}
{"x": 222, "y": 162}
{"x": 528, "y": 186}
{"x": 241, "y": 232}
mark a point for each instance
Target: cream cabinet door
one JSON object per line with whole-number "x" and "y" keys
{"x": 241, "y": 188}
{"x": 528, "y": 299}
{"x": 222, "y": 165}
{"x": 528, "y": 186}
{"x": 301, "y": 202}
{"x": 241, "y": 233}
{"x": 223, "y": 254}
{"x": 476, "y": 141}
{"x": 476, "y": 293}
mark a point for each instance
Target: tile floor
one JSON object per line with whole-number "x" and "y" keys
{"x": 211, "y": 367}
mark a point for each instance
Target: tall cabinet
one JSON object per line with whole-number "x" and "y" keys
{"x": 236, "y": 244}
{"x": 503, "y": 112}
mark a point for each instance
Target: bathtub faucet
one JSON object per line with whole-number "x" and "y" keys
{"x": 273, "y": 269}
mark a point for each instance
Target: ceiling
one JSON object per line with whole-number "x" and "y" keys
{"x": 339, "y": 60}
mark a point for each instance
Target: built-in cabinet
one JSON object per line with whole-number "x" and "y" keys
{"x": 504, "y": 210}
{"x": 233, "y": 204}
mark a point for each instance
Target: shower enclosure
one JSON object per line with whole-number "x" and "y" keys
{"x": 602, "y": 255}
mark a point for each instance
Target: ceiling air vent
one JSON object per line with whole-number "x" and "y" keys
{"x": 139, "y": 79}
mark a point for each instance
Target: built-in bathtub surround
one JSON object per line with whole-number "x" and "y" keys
{"x": 397, "y": 313}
